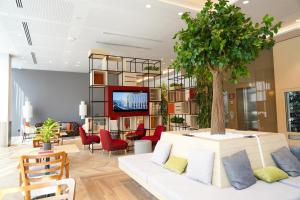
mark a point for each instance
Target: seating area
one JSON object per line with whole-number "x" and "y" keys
{"x": 150, "y": 100}
{"x": 167, "y": 184}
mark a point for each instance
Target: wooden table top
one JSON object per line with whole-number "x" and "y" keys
{"x": 68, "y": 148}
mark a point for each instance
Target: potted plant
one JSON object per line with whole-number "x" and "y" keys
{"x": 151, "y": 69}
{"x": 174, "y": 86}
{"x": 47, "y": 132}
{"x": 177, "y": 120}
{"x": 218, "y": 43}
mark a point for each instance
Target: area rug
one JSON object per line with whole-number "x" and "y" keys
{"x": 114, "y": 186}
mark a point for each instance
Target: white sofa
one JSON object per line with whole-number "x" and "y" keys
{"x": 166, "y": 185}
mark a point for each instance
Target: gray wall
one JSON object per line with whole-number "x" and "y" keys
{"x": 51, "y": 94}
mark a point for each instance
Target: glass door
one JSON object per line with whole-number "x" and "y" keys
{"x": 246, "y": 109}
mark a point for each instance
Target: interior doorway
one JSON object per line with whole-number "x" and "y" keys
{"x": 246, "y": 109}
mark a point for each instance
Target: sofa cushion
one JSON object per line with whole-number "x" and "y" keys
{"x": 295, "y": 151}
{"x": 200, "y": 165}
{"x": 238, "y": 170}
{"x": 141, "y": 165}
{"x": 176, "y": 164}
{"x": 292, "y": 181}
{"x": 161, "y": 152}
{"x": 179, "y": 187}
{"x": 286, "y": 161}
{"x": 270, "y": 174}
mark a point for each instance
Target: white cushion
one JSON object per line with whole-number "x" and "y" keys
{"x": 140, "y": 165}
{"x": 161, "y": 152}
{"x": 292, "y": 181}
{"x": 179, "y": 187}
{"x": 200, "y": 165}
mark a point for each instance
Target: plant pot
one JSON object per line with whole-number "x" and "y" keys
{"x": 47, "y": 146}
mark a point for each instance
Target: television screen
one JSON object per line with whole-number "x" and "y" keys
{"x": 130, "y": 101}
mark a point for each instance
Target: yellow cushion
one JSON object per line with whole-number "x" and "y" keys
{"x": 270, "y": 174}
{"x": 176, "y": 164}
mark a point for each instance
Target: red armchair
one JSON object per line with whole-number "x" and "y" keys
{"x": 138, "y": 134}
{"x": 88, "y": 139}
{"x": 109, "y": 144}
{"x": 156, "y": 136}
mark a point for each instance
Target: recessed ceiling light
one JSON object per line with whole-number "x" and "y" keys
{"x": 180, "y": 13}
{"x": 298, "y": 20}
{"x": 246, "y": 2}
{"x": 78, "y": 62}
{"x": 66, "y": 62}
{"x": 71, "y": 38}
{"x": 77, "y": 65}
{"x": 50, "y": 61}
{"x": 23, "y": 57}
{"x": 68, "y": 51}
{"x": 148, "y": 6}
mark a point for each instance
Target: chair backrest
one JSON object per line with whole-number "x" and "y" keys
{"x": 67, "y": 193}
{"x": 42, "y": 167}
{"x": 140, "y": 130}
{"x": 82, "y": 135}
{"x": 37, "y": 168}
{"x": 106, "y": 140}
{"x": 158, "y": 130}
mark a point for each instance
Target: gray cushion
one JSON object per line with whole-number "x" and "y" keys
{"x": 286, "y": 161}
{"x": 238, "y": 170}
{"x": 295, "y": 151}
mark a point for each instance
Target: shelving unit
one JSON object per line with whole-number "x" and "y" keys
{"x": 182, "y": 102}
{"x": 98, "y": 78}
{"x": 107, "y": 70}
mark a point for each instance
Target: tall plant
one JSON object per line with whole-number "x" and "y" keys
{"x": 164, "y": 104}
{"x": 220, "y": 40}
{"x": 204, "y": 99}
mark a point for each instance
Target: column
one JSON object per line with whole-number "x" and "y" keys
{"x": 5, "y": 100}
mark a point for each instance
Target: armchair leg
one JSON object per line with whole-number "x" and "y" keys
{"x": 109, "y": 154}
{"x": 125, "y": 151}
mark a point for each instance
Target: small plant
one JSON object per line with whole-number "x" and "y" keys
{"x": 175, "y": 84}
{"x": 151, "y": 68}
{"x": 178, "y": 120}
{"x": 47, "y": 130}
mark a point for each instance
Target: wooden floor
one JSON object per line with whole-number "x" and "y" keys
{"x": 83, "y": 164}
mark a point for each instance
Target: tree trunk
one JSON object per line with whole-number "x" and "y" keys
{"x": 217, "y": 112}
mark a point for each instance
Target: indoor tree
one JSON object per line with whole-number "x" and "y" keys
{"x": 219, "y": 42}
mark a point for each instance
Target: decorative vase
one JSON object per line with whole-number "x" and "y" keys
{"x": 47, "y": 146}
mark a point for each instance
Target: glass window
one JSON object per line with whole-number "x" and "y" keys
{"x": 293, "y": 111}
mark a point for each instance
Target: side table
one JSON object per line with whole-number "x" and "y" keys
{"x": 142, "y": 146}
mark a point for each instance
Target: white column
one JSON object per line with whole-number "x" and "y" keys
{"x": 5, "y": 100}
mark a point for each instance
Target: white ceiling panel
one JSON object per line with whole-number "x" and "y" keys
{"x": 62, "y": 31}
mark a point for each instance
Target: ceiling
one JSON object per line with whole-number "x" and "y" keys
{"x": 59, "y": 33}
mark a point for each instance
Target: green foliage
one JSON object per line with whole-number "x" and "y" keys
{"x": 176, "y": 85}
{"x": 164, "y": 103}
{"x": 221, "y": 38}
{"x": 204, "y": 100}
{"x": 151, "y": 68}
{"x": 177, "y": 119}
{"x": 47, "y": 130}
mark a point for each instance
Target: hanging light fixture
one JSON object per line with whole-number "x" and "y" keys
{"x": 82, "y": 109}
{"x": 27, "y": 111}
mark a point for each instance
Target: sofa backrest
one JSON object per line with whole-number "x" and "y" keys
{"x": 270, "y": 142}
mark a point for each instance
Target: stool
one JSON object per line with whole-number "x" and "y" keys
{"x": 142, "y": 146}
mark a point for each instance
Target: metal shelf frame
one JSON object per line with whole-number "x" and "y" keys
{"x": 147, "y": 77}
